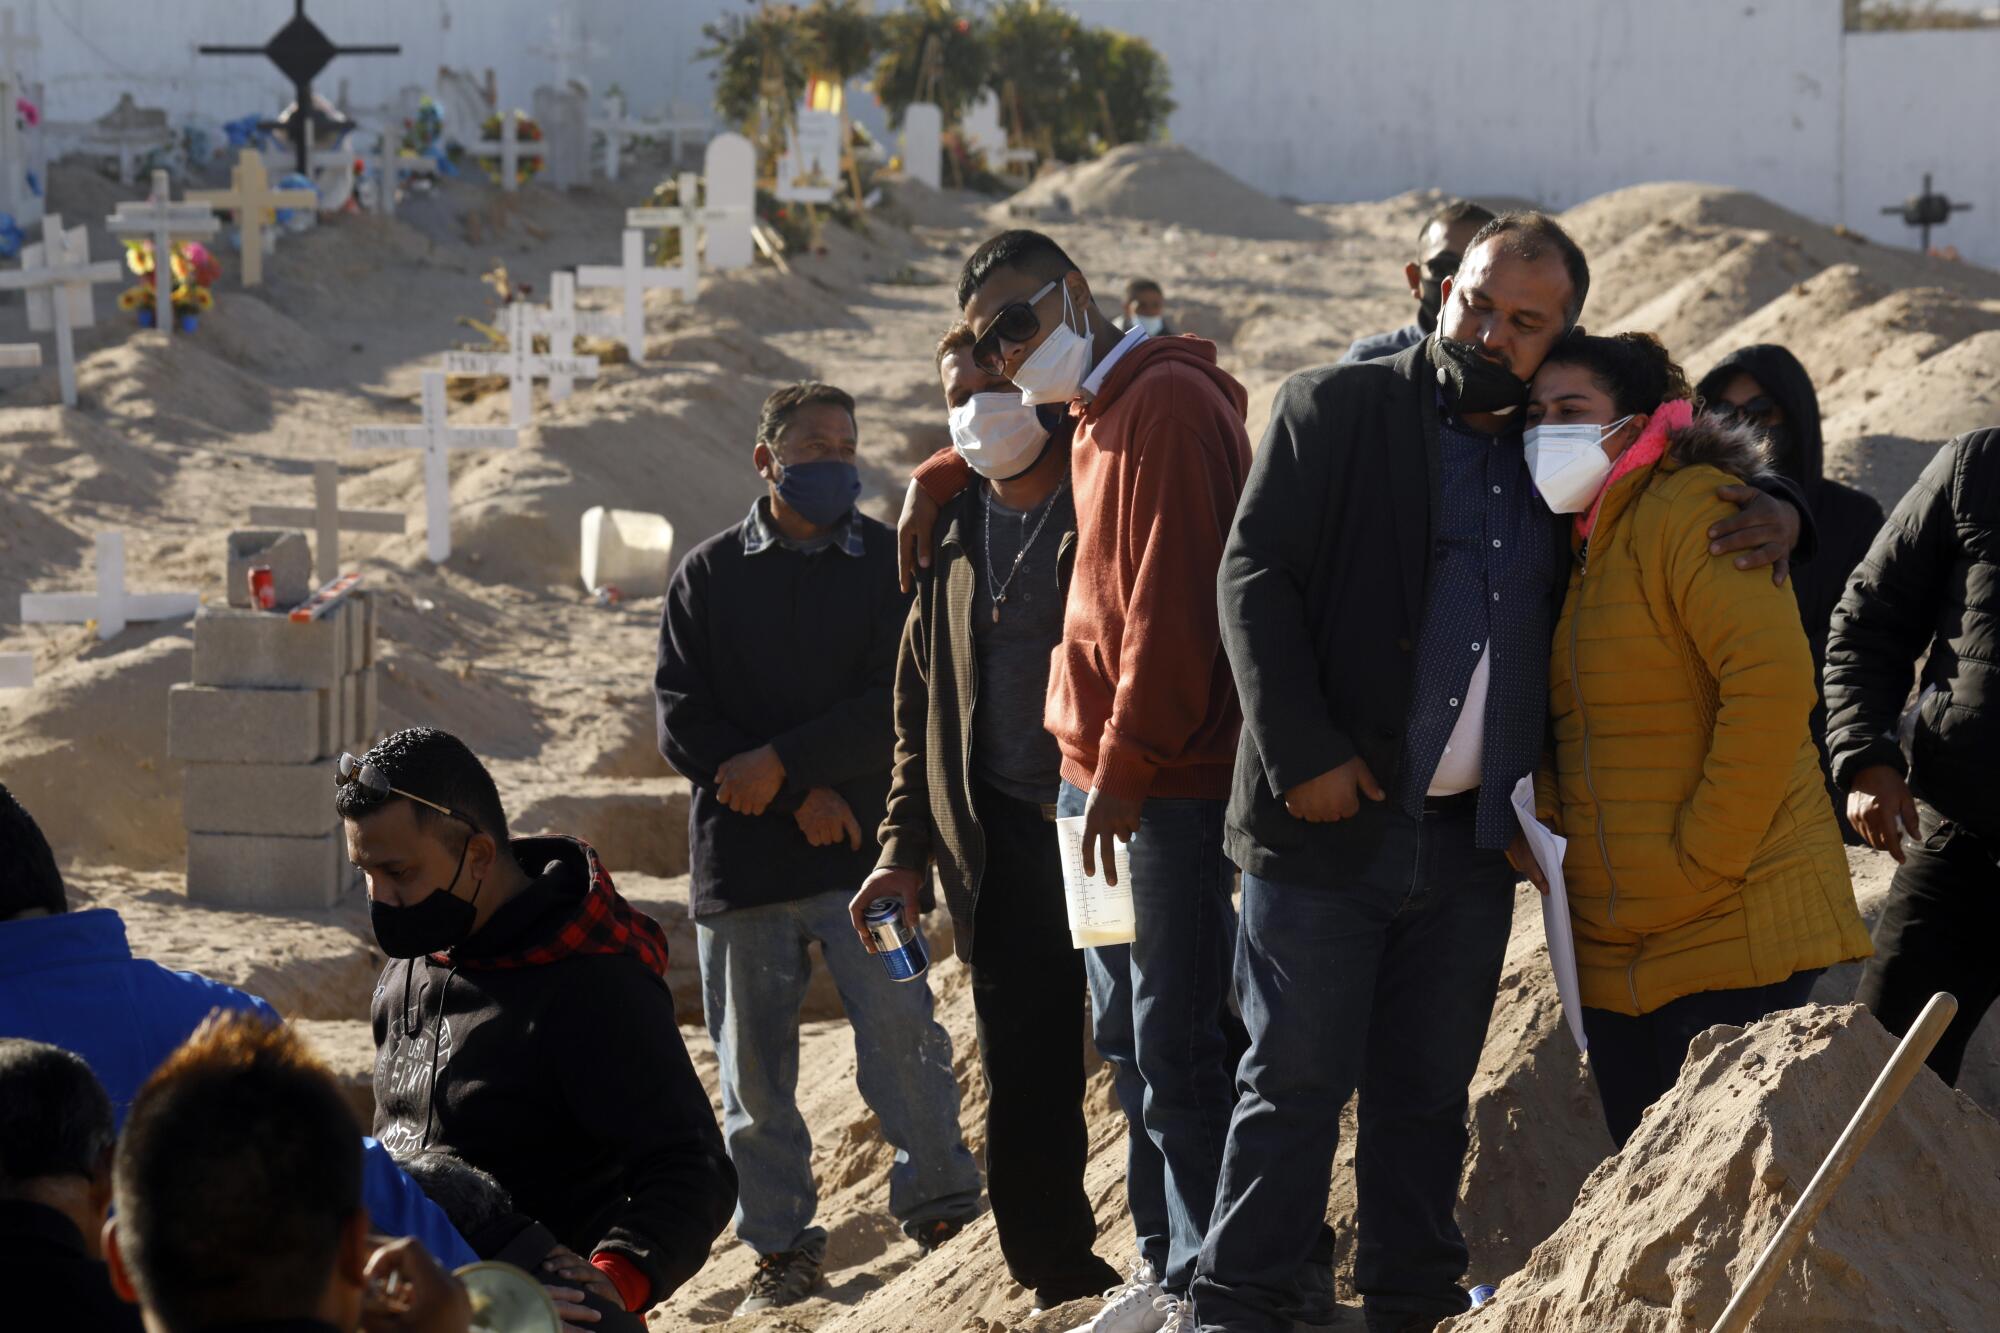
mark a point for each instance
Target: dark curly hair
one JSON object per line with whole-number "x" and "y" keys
{"x": 1633, "y": 368}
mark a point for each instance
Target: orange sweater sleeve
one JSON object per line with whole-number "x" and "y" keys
{"x": 943, "y": 476}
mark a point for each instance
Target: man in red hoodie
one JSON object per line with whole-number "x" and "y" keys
{"x": 1141, "y": 706}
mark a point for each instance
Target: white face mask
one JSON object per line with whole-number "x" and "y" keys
{"x": 1568, "y": 463}
{"x": 1152, "y": 324}
{"x": 1055, "y": 371}
{"x": 997, "y": 434}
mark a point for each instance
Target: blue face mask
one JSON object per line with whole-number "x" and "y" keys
{"x": 821, "y": 493}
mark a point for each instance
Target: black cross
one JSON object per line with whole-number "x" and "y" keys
{"x": 300, "y": 51}
{"x": 1926, "y": 210}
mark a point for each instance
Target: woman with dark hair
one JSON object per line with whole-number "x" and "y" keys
{"x": 1706, "y": 878}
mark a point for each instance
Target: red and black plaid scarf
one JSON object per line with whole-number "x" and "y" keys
{"x": 604, "y": 924}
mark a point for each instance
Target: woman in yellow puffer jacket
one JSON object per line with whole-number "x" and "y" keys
{"x": 1707, "y": 882}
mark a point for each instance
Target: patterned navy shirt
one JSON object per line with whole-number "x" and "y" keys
{"x": 1491, "y": 559}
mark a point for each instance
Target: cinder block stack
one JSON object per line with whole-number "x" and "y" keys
{"x": 271, "y": 706}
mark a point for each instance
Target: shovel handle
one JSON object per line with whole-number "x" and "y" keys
{"x": 1874, "y": 1109}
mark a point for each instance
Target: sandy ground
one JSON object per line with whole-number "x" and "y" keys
{"x": 172, "y": 444}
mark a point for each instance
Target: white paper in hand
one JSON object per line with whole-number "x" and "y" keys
{"x": 1099, "y": 913}
{"x": 1548, "y": 850}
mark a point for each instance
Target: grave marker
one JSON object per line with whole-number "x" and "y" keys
{"x": 520, "y": 363}
{"x": 635, "y": 277}
{"x": 249, "y": 196}
{"x": 57, "y": 274}
{"x": 17, "y": 671}
{"x": 729, "y": 181}
{"x": 923, "y": 143}
{"x": 300, "y": 51}
{"x": 129, "y": 131}
{"x": 160, "y": 219}
{"x": 562, "y": 324}
{"x": 328, "y": 519}
{"x": 110, "y": 606}
{"x": 388, "y": 166}
{"x": 564, "y": 116}
{"x": 617, "y": 127}
{"x": 510, "y": 149}
{"x": 570, "y": 47}
{"x": 466, "y": 103}
{"x": 982, "y": 128}
{"x": 435, "y": 437}
{"x": 809, "y": 169}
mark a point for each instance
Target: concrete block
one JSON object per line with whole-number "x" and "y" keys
{"x": 262, "y": 873}
{"x": 627, "y": 549}
{"x": 280, "y": 800}
{"x": 284, "y": 551}
{"x": 265, "y": 651}
{"x": 371, "y": 706}
{"x": 208, "y": 725}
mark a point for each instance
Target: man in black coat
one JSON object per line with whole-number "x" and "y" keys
{"x": 1929, "y": 590}
{"x": 1766, "y": 387}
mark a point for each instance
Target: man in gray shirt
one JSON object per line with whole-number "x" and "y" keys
{"x": 973, "y": 791}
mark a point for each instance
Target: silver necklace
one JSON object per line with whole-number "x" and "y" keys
{"x": 999, "y": 595}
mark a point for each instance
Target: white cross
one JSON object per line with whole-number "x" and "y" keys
{"x": 249, "y": 196}
{"x": 562, "y": 324}
{"x": 13, "y": 44}
{"x": 57, "y": 275}
{"x": 520, "y": 364}
{"x": 436, "y": 436}
{"x": 161, "y": 219}
{"x": 328, "y": 519}
{"x": 17, "y": 671}
{"x": 510, "y": 150}
{"x": 617, "y": 127}
{"x": 110, "y": 606}
{"x": 634, "y": 277}
{"x": 388, "y": 166}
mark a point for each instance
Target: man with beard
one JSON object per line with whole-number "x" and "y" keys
{"x": 1766, "y": 387}
{"x": 1441, "y": 243}
{"x": 1387, "y": 599}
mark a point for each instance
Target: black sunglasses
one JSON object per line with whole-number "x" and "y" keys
{"x": 1017, "y": 322}
{"x": 358, "y": 773}
{"x": 1757, "y": 410}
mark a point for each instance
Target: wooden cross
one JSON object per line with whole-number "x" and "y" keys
{"x": 635, "y": 277}
{"x": 17, "y": 671}
{"x": 436, "y": 437}
{"x": 562, "y": 324}
{"x": 510, "y": 149}
{"x": 57, "y": 275}
{"x": 520, "y": 363}
{"x": 13, "y": 44}
{"x": 110, "y": 606}
{"x": 250, "y": 196}
{"x": 161, "y": 219}
{"x": 328, "y": 519}
{"x": 300, "y": 51}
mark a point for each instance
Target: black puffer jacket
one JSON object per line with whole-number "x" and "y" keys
{"x": 1847, "y": 519}
{"x": 1930, "y": 581}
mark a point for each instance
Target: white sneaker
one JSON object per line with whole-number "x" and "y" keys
{"x": 1179, "y": 1315}
{"x": 1135, "y": 1307}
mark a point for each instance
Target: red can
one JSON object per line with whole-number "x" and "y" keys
{"x": 263, "y": 588}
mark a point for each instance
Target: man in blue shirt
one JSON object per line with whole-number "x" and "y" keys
{"x": 69, "y": 979}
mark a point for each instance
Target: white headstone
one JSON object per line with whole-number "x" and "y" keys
{"x": 635, "y": 277}
{"x": 160, "y": 220}
{"x": 110, "y": 606}
{"x": 327, "y": 519}
{"x": 982, "y": 128}
{"x": 466, "y": 103}
{"x": 57, "y": 274}
{"x": 564, "y": 115}
{"x": 809, "y": 170}
{"x": 562, "y": 324}
{"x": 435, "y": 437}
{"x": 510, "y": 148}
{"x": 17, "y": 671}
{"x": 729, "y": 175}
{"x": 250, "y": 197}
{"x": 627, "y": 549}
{"x": 923, "y": 143}
{"x": 520, "y": 363}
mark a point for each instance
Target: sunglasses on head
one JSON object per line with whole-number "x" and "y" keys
{"x": 1757, "y": 410}
{"x": 359, "y": 773}
{"x": 1016, "y": 323}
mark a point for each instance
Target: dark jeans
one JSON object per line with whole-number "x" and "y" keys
{"x": 1385, "y": 979}
{"x": 1159, "y": 1013}
{"x": 1636, "y": 1059}
{"x": 1937, "y": 933}
{"x": 1028, "y": 992}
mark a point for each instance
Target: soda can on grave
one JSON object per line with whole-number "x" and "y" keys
{"x": 898, "y": 945}
{"x": 263, "y": 588}
{"x": 1483, "y": 1293}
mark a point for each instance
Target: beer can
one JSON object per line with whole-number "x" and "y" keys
{"x": 1483, "y": 1293}
{"x": 263, "y": 588}
{"x": 899, "y": 946}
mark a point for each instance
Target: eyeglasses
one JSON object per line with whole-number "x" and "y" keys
{"x": 1757, "y": 411}
{"x": 1016, "y": 323}
{"x": 357, "y": 773}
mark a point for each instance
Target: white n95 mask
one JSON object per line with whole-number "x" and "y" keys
{"x": 1568, "y": 463}
{"x": 1055, "y": 371}
{"x": 998, "y": 435}
{"x": 1152, "y": 324}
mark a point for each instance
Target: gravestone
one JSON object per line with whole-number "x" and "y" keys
{"x": 562, "y": 324}
{"x": 564, "y": 115}
{"x": 923, "y": 144}
{"x": 809, "y": 168}
{"x": 628, "y": 550}
{"x": 466, "y": 103}
{"x": 328, "y": 520}
{"x": 982, "y": 128}
{"x": 111, "y": 606}
{"x": 57, "y": 275}
{"x": 161, "y": 220}
{"x": 436, "y": 437}
{"x": 520, "y": 363}
{"x": 729, "y": 181}
{"x": 250, "y": 197}
{"x": 128, "y": 132}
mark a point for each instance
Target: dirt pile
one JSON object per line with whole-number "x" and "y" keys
{"x": 1662, "y": 1232}
{"x": 1165, "y": 184}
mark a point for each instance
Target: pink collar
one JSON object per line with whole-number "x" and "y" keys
{"x": 1648, "y": 449}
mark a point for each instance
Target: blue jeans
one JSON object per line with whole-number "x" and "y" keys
{"x": 1159, "y": 1012}
{"x": 1385, "y": 979}
{"x": 754, "y": 970}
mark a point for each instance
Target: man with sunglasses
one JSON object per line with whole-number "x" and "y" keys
{"x": 1141, "y": 706}
{"x": 1441, "y": 243}
{"x": 523, "y": 1022}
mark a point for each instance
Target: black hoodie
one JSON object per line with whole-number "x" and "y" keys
{"x": 565, "y": 1079}
{"x": 1847, "y": 519}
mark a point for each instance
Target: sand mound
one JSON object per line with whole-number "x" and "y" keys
{"x": 1165, "y": 184}
{"x": 1663, "y": 1231}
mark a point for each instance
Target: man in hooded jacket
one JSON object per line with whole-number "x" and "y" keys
{"x": 1766, "y": 387}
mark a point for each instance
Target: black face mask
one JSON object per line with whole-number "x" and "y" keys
{"x": 1472, "y": 383}
{"x": 440, "y": 922}
{"x": 1430, "y": 298}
